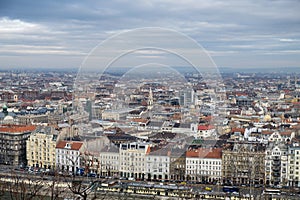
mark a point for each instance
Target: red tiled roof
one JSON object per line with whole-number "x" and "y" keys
{"x": 296, "y": 127}
{"x": 205, "y": 153}
{"x": 8, "y": 128}
{"x": 74, "y": 145}
{"x": 266, "y": 132}
{"x": 241, "y": 94}
{"x": 286, "y": 133}
{"x": 296, "y": 103}
{"x": 241, "y": 130}
{"x": 205, "y": 127}
{"x": 140, "y": 120}
{"x": 148, "y": 150}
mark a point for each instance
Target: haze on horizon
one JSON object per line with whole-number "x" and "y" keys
{"x": 237, "y": 34}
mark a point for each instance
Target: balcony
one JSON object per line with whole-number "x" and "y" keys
{"x": 276, "y": 174}
{"x": 276, "y": 169}
{"x": 276, "y": 163}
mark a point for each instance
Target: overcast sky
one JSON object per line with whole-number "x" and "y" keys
{"x": 240, "y": 34}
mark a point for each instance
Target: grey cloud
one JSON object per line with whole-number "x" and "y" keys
{"x": 226, "y": 28}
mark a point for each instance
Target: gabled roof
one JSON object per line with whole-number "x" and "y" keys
{"x": 73, "y": 145}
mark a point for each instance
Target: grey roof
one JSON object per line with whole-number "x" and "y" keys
{"x": 160, "y": 152}
{"x": 155, "y": 123}
{"x": 43, "y": 129}
{"x": 2, "y": 115}
{"x": 110, "y": 148}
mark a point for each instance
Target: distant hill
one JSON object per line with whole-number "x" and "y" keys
{"x": 181, "y": 69}
{"x": 261, "y": 70}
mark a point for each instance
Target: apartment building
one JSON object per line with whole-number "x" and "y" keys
{"x": 68, "y": 155}
{"x": 132, "y": 159}
{"x": 158, "y": 164}
{"x": 177, "y": 164}
{"x": 13, "y": 143}
{"x": 204, "y": 164}
{"x": 109, "y": 161}
{"x": 294, "y": 165}
{"x": 205, "y": 131}
{"x": 243, "y": 163}
{"x": 282, "y": 136}
{"x": 40, "y": 148}
{"x": 276, "y": 164}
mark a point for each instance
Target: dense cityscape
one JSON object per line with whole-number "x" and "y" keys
{"x": 149, "y": 99}
{"x": 127, "y": 135}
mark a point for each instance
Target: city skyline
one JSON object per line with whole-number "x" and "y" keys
{"x": 238, "y": 35}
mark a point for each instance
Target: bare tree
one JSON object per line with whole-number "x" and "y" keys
{"x": 53, "y": 189}
{"x": 78, "y": 186}
{"x": 24, "y": 187}
{"x": 3, "y": 189}
{"x": 83, "y": 190}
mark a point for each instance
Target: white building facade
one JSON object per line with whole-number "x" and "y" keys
{"x": 109, "y": 161}
{"x": 158, "y": 165}
{"x": 68, "y": 156}
{"x": 294, "y": 165}
{"x": 132, "y": 159}
{"x": 276, "y": 168}
{"x": 204, "y": 165}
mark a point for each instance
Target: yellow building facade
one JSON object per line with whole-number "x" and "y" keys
{"x": 40, "y": 148}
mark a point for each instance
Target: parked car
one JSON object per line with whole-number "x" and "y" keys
{"x": 80, "y": 172}
{"x": 93, "y": 175}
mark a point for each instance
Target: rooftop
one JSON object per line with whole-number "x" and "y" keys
{"x": 73, "y": 145}
{"x": 205, "y": 127}
{"x": 205, "y": 153}
{"x": 9, "y": 128}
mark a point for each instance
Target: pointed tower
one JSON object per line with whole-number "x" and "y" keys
{"x": 150, "y": 99}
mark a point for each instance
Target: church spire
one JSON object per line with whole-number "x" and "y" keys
{"x": 150, "y": 99}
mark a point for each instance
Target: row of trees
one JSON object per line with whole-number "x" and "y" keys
{"x": 24, "y": 186}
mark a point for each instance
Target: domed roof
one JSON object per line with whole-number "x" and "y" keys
{"x": 8, "y": 119}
